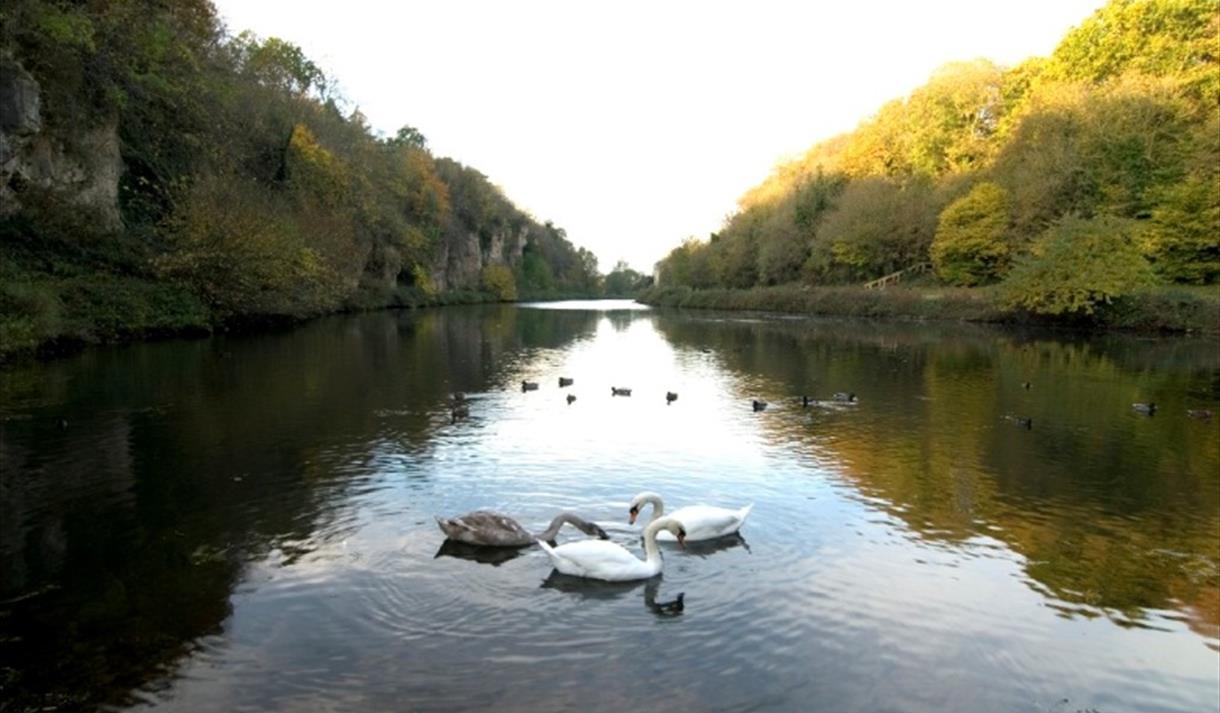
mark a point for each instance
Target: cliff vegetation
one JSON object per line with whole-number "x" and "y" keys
{"x": 159, "y": 174}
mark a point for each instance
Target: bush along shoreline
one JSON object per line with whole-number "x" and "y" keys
{"x": 1167, "y": 310}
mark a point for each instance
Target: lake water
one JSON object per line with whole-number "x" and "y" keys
{"x": 246, "y": 523}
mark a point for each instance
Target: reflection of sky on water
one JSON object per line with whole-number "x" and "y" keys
{"x": 871, "y": 580}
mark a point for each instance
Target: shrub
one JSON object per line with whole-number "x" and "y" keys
{"x": 971, "y": 244}
{"x": 1184, "y": 240}
{"x": 498, "y": 280}
{"x": 1076, "y": 266}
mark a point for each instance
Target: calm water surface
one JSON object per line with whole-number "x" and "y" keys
{"x": 239, "y": 524}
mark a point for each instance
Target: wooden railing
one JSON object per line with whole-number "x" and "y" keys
{"x": 893, "y": 277}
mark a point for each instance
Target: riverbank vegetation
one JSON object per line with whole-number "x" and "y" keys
{"x": 1068, "y": 187}
{"x": 162, "y": 174}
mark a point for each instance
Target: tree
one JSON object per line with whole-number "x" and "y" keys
{"x": 409, "y": 136}
{"x": 971, "y": 244}
{"x": 498, "y": 280}
{"x": 1077, "y": 265}
{"x": 1183, "y": 240}
{"x": 879, "y": 225}
{"x": 623, "y": 281}
{"x": 279, "y": 64}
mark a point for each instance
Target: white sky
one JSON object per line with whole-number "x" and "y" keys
{"x": 635, "y": 124}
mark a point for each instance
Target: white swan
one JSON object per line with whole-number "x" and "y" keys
{"x": 702, "y": 522}
{"x": 599, "y": 559}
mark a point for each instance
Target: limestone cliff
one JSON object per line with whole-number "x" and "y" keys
{"x": 84, "y": 168}
{"x": 461, "y": 256}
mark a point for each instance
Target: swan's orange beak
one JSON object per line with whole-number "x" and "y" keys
{"x": 635, "y": 512}
{"x": 682, "y": 540}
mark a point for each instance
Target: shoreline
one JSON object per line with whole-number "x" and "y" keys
{"x": 1167, "y": 311}
{"x": 60, "y": 346}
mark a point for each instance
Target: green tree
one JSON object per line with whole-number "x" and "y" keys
{"x": 1183, "y": 240}
{"x": 879, "y": 225}
{"x": 499, "y": 281}
{"x": 623, "y": 281}
{"x": 409, "y": 136}
{"x": 1077, "y": 265}
{"x": 971, "y": 244}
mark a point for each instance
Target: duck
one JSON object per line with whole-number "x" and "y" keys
{"x": 807, "y": 401}
{"x": 571, "y": 398}
{"x": 616, "y": 391}
{"x": 1200, "y": 413}
{"x": 529, "y": 385}
{"x": 1022, "y": 421}
{"x": 701, "y": 522}
{"x": 670, "y": 397}
{"x": 459, "y": 397}
{"x": 564, "y": 381}
{"x": 1025, "y": 385}
{"x": 1147, "y": 409}
{"x": 491, "y": 529}
{"x": 597, "y": 559}
{"x": 845, "y": 396}
{"x": 758, "y": 405}
{"x": 459, "y": 411}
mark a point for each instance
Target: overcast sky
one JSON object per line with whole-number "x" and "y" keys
{"x": 636, "y": 124}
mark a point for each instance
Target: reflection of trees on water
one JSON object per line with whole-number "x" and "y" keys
{"x": 123, "y": 535}
{"x": 1113, "y": 512}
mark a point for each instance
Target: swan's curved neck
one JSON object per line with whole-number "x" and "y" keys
{"x": 652, "y": 553}
{"x": 563, "y": 518}
{"x": 658, "y": 507}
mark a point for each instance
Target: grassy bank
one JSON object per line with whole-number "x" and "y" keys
{"x": 1161, "y": 309}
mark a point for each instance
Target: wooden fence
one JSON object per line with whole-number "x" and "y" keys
{"x": 894, "y": 277}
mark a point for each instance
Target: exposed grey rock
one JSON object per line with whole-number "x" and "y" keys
{"x": 85, "y": 169}
{"x": 19, "y": 100}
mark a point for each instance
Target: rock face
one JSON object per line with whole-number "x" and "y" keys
{"x": 461, "y": 258}
{"x": 86, "y": 169}
{"x": 19, "y": 101}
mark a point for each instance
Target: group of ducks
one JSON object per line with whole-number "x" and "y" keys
{"x": 460, "y": 409}
{"x": 460, "y": 405}
{"x": 841, "y": 397}
{"x": 564, "y": 382}
{"x": 1147, "y": 408}
{"x": 1150, "y": 409}
{"x": 599, "y": 558}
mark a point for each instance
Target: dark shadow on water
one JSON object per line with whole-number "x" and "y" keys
{"x": 482, "y": 554}
{"x": 703, "y": 548}
{"x": 597, "y": 590}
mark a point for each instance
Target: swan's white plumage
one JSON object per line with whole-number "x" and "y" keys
{"x": 701, "y": 522}
{"x": 599, "y": 559}
{"x": 705, "y": 522}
